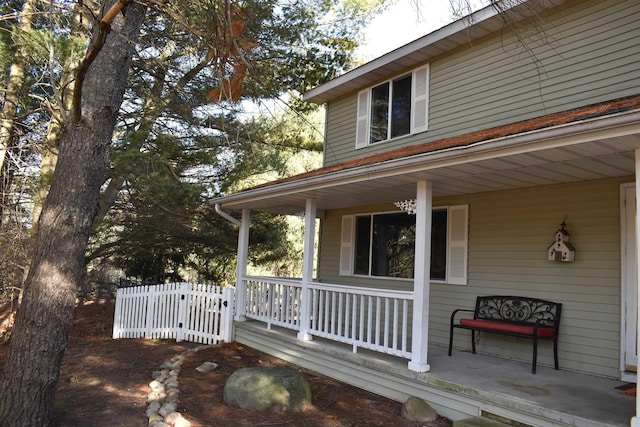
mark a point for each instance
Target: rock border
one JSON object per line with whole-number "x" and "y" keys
{"x": 162, "y": 408}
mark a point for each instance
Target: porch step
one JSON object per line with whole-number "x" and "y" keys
{"x": 478, "y": 422}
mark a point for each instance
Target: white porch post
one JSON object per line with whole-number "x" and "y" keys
{"x": 635, "y": 421}
{"x": 422, "y": 269}
{"x": 307, "y": 269}
{"x": 241, "y": 269}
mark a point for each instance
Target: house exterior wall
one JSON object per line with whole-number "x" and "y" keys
{"x": 509, "y": 233}
{"x": 587, "y": 54}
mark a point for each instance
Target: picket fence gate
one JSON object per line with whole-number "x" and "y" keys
{"x": 181, "y": 311}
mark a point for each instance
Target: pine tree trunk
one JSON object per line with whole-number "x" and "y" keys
{"x": 39, "y": 338}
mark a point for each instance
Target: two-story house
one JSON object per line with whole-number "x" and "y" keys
{"x": 449, "y": 166}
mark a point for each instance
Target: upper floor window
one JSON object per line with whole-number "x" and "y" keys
{"x": 394, "y": 108}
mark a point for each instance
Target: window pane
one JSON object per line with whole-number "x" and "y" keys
{"x": 363, "y": 239}
{"x": 393, "y": 248}
{"x": 401, "y": 107}
{"x": 379, "y": 112}
{"x": 438, "y": 245}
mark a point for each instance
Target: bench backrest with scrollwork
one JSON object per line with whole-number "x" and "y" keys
{"x": 518, "y": 310}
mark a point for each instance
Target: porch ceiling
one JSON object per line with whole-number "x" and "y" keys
{"x": 580, "y": 152}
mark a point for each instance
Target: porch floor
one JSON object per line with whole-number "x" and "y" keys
{"x": 499, "y": 386}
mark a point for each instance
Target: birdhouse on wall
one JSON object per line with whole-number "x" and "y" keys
{"x": 561, "y": 249}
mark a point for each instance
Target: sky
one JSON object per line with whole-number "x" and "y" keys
{"x": 402, "y": 23}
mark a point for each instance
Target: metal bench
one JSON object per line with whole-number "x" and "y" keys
{"x": 514, "y": 316}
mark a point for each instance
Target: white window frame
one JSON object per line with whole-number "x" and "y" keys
{"x": 419, "y": 107}
{"x": 457, "y": 245}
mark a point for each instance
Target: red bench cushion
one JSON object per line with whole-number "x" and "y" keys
{"x": 509, "y": 328}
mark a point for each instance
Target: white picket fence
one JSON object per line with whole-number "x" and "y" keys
{"x": 181, "y": 311}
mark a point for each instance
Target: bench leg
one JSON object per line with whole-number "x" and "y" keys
{"x": 535, "y": 354}
{"x": 473, "y": 341}
{"x": 450, "y": 339}
{"x": 555, "y": 353}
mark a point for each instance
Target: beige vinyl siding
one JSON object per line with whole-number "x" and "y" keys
{"x": 341, "y": 119}
{"x": 588, "y": 54}
{"x": 509, "y": 233}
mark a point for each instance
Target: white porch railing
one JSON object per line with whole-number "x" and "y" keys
{"x": 362, "y": 317}
{"x": 274, "y": 301}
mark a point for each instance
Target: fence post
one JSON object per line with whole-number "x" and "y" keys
{"x": 226, "y": 314}
{"x": 150, "y": 296}
{"x": 184, "y": 293}
{"x": 117, "y": 316}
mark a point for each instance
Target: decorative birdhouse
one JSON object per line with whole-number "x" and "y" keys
{"x": 561, "y": 249}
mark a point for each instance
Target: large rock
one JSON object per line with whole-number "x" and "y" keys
{"x": 270, "y": 389}
{"x": 416, "y": 409}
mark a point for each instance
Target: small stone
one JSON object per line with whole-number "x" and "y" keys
{"x": 167, "y": 408}
{"x": 176, "y": 419}
{"x": 172, "y": 399}
{"x": 416, "y": 409}
{"x": 153, "y": 408}
{"x": 237, "y": 357}
{"x": 155, "y": 396}
{"x": 207, "y": 367}
{"x": 156, "y": 374}
{"x": 155, "y": 384}
{"x": 155, "y": 418}
{"x": 166, "y": 365}
{"x": 182, "y": 422}
{"x": 172, "y": 417}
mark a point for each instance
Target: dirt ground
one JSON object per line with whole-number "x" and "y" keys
{"x": 104, "y": 382}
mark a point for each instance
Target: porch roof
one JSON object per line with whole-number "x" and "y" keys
{"x": 589, "y": 143}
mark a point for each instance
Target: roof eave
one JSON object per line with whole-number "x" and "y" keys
{"x": 463, "y": 31}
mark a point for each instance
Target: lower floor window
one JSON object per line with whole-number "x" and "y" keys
{"x": 383, "y": 245}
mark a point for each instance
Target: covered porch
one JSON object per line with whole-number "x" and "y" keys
{"x": 378, "y": 339}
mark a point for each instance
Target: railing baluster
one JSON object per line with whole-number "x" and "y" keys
{"x": 327, "y": 311}
{"x": 340, "y": 331}
{"x": 394, "y": 344}
{"x": 405, "y": 323}
{"x": 361, "y": 329}
{"x": 386, "y": 322}
{"x": 369, "y": 319}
